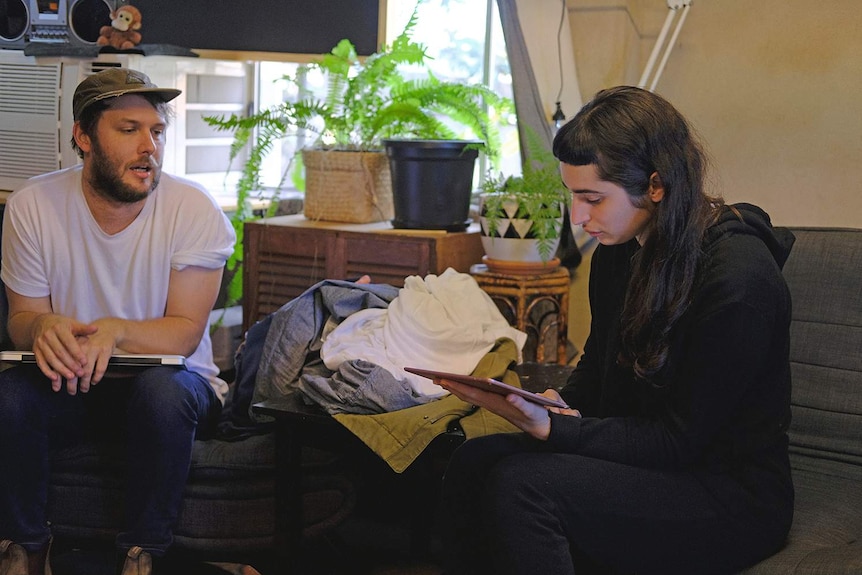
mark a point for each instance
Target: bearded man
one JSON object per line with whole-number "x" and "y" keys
{"x": 109, "y": 256}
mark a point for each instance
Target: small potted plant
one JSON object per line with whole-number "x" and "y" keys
{"x": 522, "y": 216}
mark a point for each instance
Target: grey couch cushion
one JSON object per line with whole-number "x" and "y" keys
{"x": 824, "y": 273}
{"x": 827, "y": 522}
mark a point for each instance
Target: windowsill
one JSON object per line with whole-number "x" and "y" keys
{"x": 226, "y": 203}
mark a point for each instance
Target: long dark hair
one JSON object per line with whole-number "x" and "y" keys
{"x": 629, "y": 134}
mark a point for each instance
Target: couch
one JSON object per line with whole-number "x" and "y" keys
{"x": 824, "y": 272}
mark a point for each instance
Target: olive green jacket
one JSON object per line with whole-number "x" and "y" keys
{"x": 399, "y": 437}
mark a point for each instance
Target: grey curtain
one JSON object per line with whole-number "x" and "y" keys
{"x": 530, "y": 108}
{"x": 528, "y": 101}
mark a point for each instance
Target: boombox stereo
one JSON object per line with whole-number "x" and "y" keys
{"x": 62, "y": 22}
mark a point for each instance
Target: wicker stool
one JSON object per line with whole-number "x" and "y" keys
{"x": 533, "y": 303}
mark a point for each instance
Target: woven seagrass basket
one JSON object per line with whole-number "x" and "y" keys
{"x": 354, "y": 187}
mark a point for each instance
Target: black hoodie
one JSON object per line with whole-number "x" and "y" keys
{"x": 722, "y": 404}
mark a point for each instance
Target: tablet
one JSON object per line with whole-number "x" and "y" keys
{"x": 488, "y": 384}
{"x": 117, "y": 360}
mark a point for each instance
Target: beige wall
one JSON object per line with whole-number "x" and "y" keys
{"x": 774, "y": 87}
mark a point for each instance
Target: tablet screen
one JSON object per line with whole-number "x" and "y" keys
{"x": 488, "y": 384}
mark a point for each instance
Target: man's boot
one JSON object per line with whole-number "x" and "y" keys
{"x": 15, "y": 560}
{"x": 235, "y": 568}
{"x": 137, "y": 562}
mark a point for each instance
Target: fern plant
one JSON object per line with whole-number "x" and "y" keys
{"x": 366, "y": 101}
{"x": 538, "y": 192}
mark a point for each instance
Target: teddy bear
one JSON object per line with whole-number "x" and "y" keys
{"x": 123, "y": 33}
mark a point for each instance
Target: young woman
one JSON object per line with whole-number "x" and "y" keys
{"x": 673, "y": 456}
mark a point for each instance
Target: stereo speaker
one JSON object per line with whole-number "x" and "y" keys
{"x": 59, "y": 23}
{"x": 86, "y": 18}
{"x": 14, "y": 23}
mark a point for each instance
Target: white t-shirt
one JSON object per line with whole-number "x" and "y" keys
{"x": 52, "y": 246}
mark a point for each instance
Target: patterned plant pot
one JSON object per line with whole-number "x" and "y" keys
{"x": 513, "y": 239}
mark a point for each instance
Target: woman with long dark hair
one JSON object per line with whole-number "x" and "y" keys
{"x": 673, "y": 456}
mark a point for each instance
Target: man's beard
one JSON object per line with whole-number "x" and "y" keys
{"x": 108, "y": 184}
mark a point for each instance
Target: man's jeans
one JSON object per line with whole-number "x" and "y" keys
{"x": 155, "y": 414}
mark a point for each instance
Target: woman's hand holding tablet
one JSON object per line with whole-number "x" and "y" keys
{"x": 488, "y": 384}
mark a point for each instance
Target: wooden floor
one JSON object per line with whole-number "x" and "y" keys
{"x": 369, "y": 548}
{"x": 360, "y": 546}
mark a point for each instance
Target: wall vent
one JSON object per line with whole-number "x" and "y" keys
{"x": 29, "y": 121}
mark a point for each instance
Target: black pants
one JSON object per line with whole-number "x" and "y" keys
{"x": 511, "y": 507}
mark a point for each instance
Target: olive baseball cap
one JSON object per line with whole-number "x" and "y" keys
{"x": 115, "y": 82}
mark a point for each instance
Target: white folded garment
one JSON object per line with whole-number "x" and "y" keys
{"x": 443, "y": 322}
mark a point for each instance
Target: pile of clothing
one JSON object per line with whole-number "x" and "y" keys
{"x": 344, "y": 345}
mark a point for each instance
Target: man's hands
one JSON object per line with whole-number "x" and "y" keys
{"x": 525, "y": 415}
{"x": 69, "y": 350}
{"x": 79, "y": 353}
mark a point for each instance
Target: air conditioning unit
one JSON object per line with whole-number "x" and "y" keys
{"x": 29, "y": 118}
{"x": 36, "y": 112}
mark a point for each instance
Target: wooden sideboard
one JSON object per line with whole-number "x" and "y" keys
{"x": 285, "y": 255}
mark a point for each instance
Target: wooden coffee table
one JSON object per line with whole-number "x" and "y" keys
{"x": 298, "y": 426}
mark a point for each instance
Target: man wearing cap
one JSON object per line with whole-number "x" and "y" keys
{"x": 109, "y": 256}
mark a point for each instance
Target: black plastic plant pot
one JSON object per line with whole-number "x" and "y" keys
{"x": 432, "y": 182}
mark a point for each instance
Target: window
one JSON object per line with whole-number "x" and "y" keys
{"x": 464, "y": 44}
{"x": 465, "y": 40}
